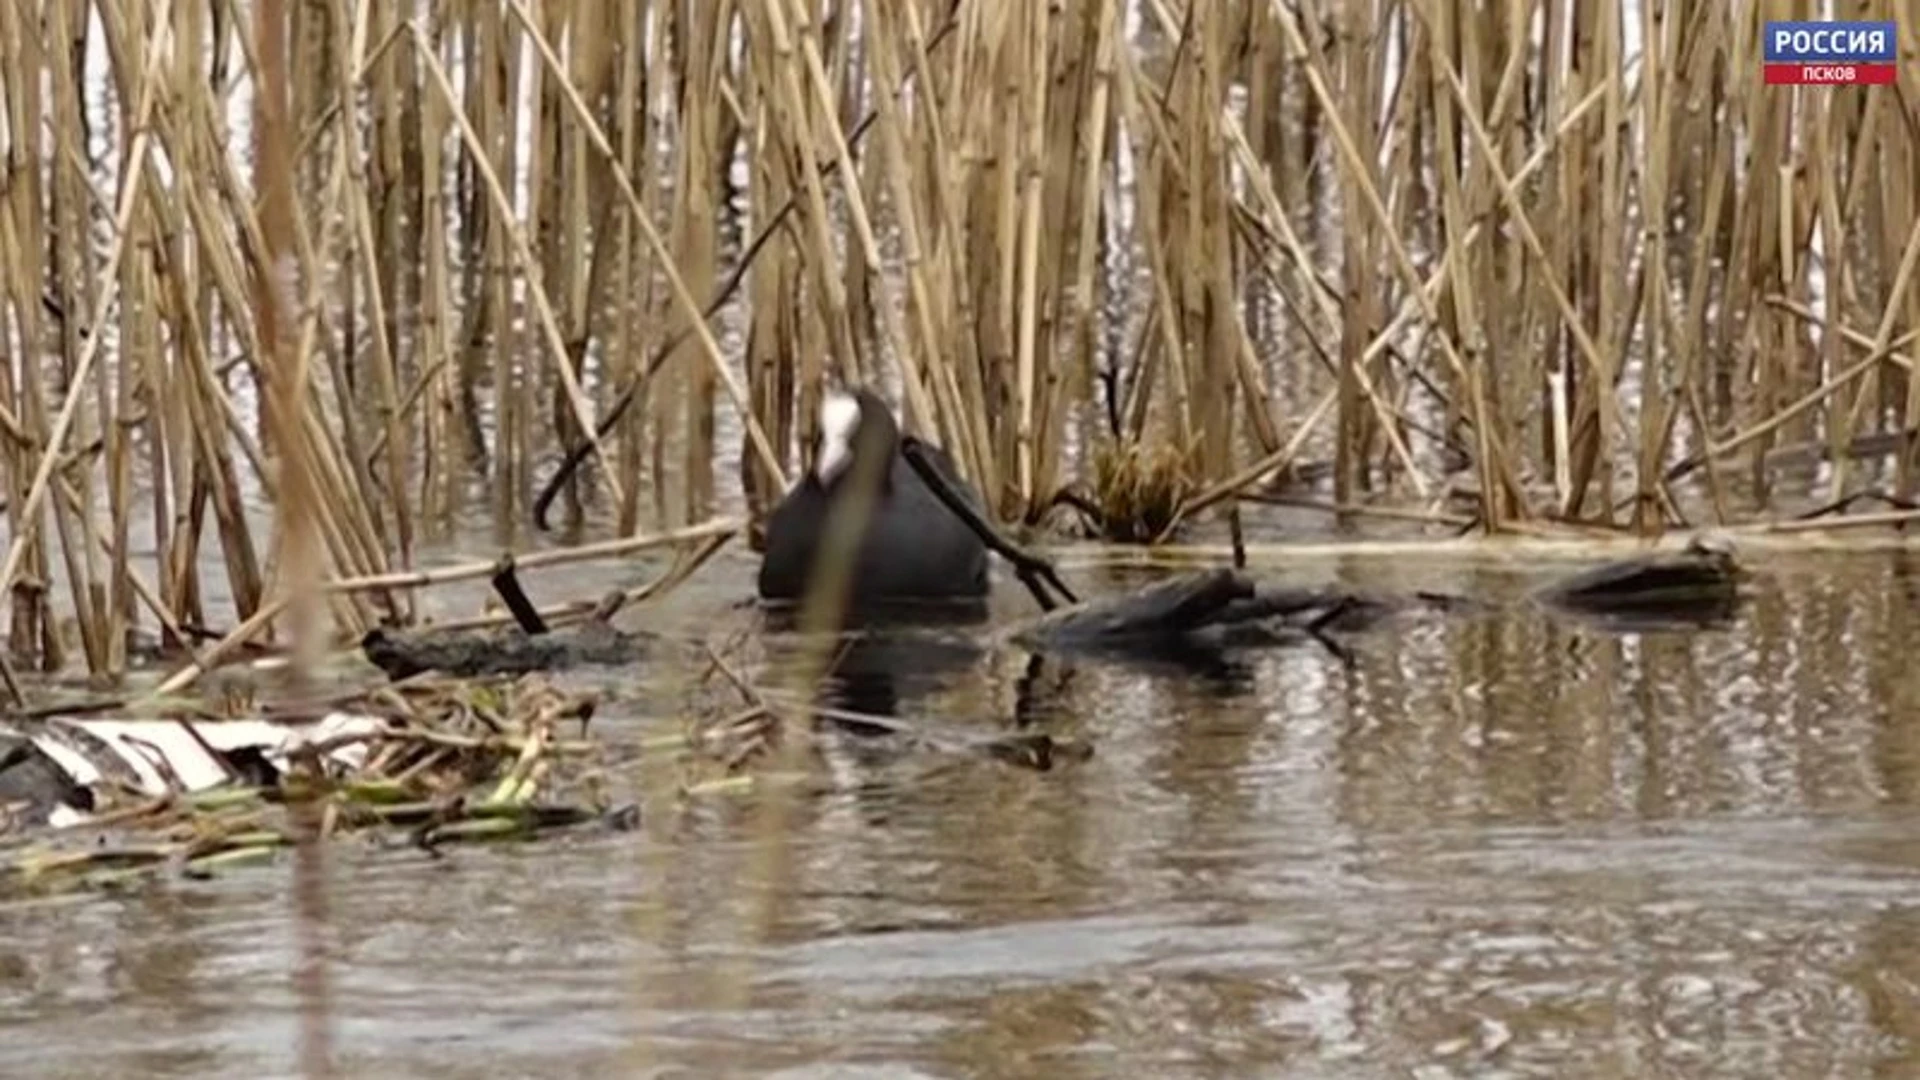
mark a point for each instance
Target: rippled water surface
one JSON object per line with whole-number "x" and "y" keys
{"x": 1501, "y": 844}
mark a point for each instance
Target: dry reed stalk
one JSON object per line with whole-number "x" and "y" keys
{"x": 1360, "y": 239}
{"x": 1499, "y": 489}
{"x": 930, "y": 323}
{"x": 790, "y": 121}
{"x": 821, "y": 615}
{"x": 274, "y": 284}
{"x": 809, "y": 56}
{"x": 626, "y": 25}
{"x": 1878, "y": 354}
{"x": 339, "y": 510}
{"x": 136, "y": 582}
{"x": 101, "y": 624}
{"x": 1254, "y": 473}
{"x": 1031, "y": 98}
{"x": 1363, "y": 510}
{"x": 686, "y": 562}
{"x": 296, "y": 511}
{"x": 1085, "y": 288}
{"x": 255, "y": 625}
{"x": 682, "y": 295}
{"x": 128, "y": 201}
{"x": 1659, "y": 37}
{"x": 1706, "y": 208}
{"x": 702, "y": 36}
{"x": 945, "y": 170}
{"x": 1162, "y": 340}
{"x": 439, "y": 368}
{"x": 626, "y": 545}
{"x": 1869, "y": 520}
{"x": 1508, "y": 192}
{"x": 32, "y": 626}
{"x": 1359, "y": 371}
{"x": 516, "y": 239}
{"x": 378, "y": 277}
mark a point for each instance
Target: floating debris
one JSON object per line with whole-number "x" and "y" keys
{"x": 505, "y": 650}
{"x": 529, "y": 645}
{"x": 1169, "y": 608}
{"x": 1696, "y": 586}
{"x": 100, "y": 800}
{"x": 66, "y": 757}
{"x": 35, "y": 789}
{"x": 1212, "y": 610}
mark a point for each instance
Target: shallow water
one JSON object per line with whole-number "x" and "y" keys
{"x": 1500, "y": 845}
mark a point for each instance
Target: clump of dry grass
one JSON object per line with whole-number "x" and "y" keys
{"x": 1137, "y": 490}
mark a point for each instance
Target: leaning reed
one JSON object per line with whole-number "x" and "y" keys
{"x": 1541, "y": 259}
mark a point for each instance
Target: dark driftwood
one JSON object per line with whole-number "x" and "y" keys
{"x": 1700, "y": 584}
{"x": 505, "y": 651}
{"x": 513, "y": 650}
{"x": 1167, "y": 608}
{"x": 507, "y": 584}
{"x": 1211, "y": 610}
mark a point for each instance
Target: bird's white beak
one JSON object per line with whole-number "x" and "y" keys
{"x": 839, "y": 416}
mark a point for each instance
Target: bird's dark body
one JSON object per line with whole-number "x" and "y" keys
{"x": 913, "y": 547}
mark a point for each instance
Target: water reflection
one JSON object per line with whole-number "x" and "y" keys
{"x": 886, "y": 660}
{"x": 1495, "y": 844}
{"x": 883, "y": 656}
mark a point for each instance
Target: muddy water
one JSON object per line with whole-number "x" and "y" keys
{"x": 1499, "y": 845}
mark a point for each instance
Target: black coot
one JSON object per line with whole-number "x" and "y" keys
{"x": 913, "y": 549}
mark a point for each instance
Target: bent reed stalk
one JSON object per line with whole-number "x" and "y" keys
{"x": 1538, "y": 264}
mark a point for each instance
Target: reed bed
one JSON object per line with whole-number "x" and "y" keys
{"x": 1530, "y": 264}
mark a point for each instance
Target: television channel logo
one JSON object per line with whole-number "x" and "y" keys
{"x": 1830, "y": 53}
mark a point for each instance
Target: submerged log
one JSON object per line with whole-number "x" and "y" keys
{"x": 1326, "y": 609}
{"x": 1213, "y": 608}
{"x": 1165, "y": 609}
{"x": 1699, "y": 584}
{"x": 503, "y": 651}
{"x": 529, "y": 646}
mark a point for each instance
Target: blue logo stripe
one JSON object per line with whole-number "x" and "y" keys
{"x": 1830, "y": 42}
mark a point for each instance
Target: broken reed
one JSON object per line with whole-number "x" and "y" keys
{"x": 1397, "y": 235}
